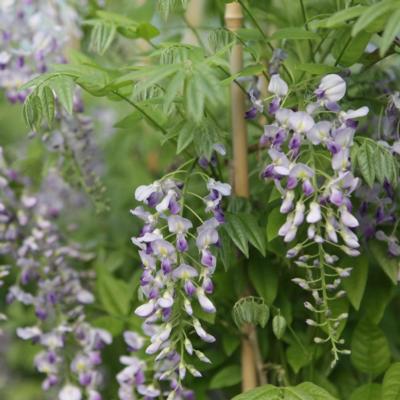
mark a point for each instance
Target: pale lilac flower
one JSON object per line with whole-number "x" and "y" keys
{"x": 204, "y": 301}
{"x": 222, "y": 188}
{"x": 301, "y": 122}
{"x": 133, "y": 340}
{"x": 70, "y": 392}
{"x": 314, "y": 214}
{"x": 331, "y": 89}
{"x": 283, "y": 116}
{"x": 277, "y": 86}
{"x": 347, "y": 218}
{"x": 287, "y": 203}
{"x": 320, "y": 132}
{"x": 299, "y": 213}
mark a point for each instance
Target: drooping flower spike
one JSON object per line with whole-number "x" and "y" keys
{"x": 321, "y": 200}
{"x": 178, "y": 260}
{"x": 50, "y": 282}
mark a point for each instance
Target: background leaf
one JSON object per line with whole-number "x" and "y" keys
{"x": 369, "y": 349}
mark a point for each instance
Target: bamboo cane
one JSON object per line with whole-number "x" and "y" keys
{"x": 193, "y": 16}
{"x": 234, "y": 20}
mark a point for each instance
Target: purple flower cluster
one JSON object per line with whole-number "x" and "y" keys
{"x": 309, "y": 162}
{"x": 48, "y": 282}
{"x": 379, "y": 206}
{"x": 177, "y": 271}
{"x": 34, "y": 34}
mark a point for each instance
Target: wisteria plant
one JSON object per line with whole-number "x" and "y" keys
{"x": 213, "y": 209}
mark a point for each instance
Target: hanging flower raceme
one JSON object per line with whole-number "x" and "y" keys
{"x": 48, "y": 282}
{"x": 35, "y": 35}
{"x": 178, "y": 259}
{"x": 310, "y": 166}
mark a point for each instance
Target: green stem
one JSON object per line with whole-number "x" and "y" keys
{"x": 343, "y": 50}
{"x": 140, "y": 109}
{"x": 257, "y": 25}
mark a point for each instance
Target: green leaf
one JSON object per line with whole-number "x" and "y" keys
{"x": 354, "y": 49}
{"x": 376, "y": 298}
{"x": 298, "y": 356}
{"x": 344, "y": 15}
{"x": 185, "y": 138}
{"x": 129, "y": 121}
{"x": 29, "y": 113}
{"x": 391, "y": 383}
{"x": 230, "y": 343}
{"x": 37, "y": 105}
{"x": 64, "y": 87}
{"x": 380, "y": 165}
{"x": 356, "y": 282}
{"x": 254, "y": 233}
{"x": 250, "y": 70}
{"x": 167, "y": 6}
{"x": 389, "y": 265}
{"x": 366, "y": 163}
{"x": 226, "y": 250}
{"x": 279, "y": 326}
{"x": 370, "y": 352}
{"x": 151, "y": 75}
{"x": 316, "y": 392}
{"x": 173, "y": 88}
{"x": 317, "y": 69}
{"x": 229, "y": 376}
{"x": 113, "y": 325}
{"x": 237, "y": 232}
{"x": 114, "y": 18}
{"x": 264, "y": 278}
{"x": 48, "y": 104}
{"x": 372, "y": 13}
{"x": 249, "y": 34}
{"x": 147, "y": 31}
{"x": 392, "y": 29}
{"x": 114, "y": 294}
{"x": 194, "y": 98}
{"x": 296, "y": 393}
{"x": 274, "y": 221}
{"x": 294, "y": 34}
{"x": 266, "y": 392}
{"x": 102, "y": 35}
{"x": 369, "y": 391}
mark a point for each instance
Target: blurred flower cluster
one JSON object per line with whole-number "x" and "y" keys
{"x": 44, "y": 266}
{"x": 379, "y": 211}
{"x": 34, "y": 34}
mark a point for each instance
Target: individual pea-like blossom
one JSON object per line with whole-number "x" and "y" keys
{"x": 178, "y": 255}
{"x": 254, "y": 95}
{"x": 278, "y": 87}
{"x": 309, "y": 162}
{"x": 51, "y": 284}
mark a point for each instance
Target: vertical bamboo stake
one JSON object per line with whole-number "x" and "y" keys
{"x": 234, "y": 20}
